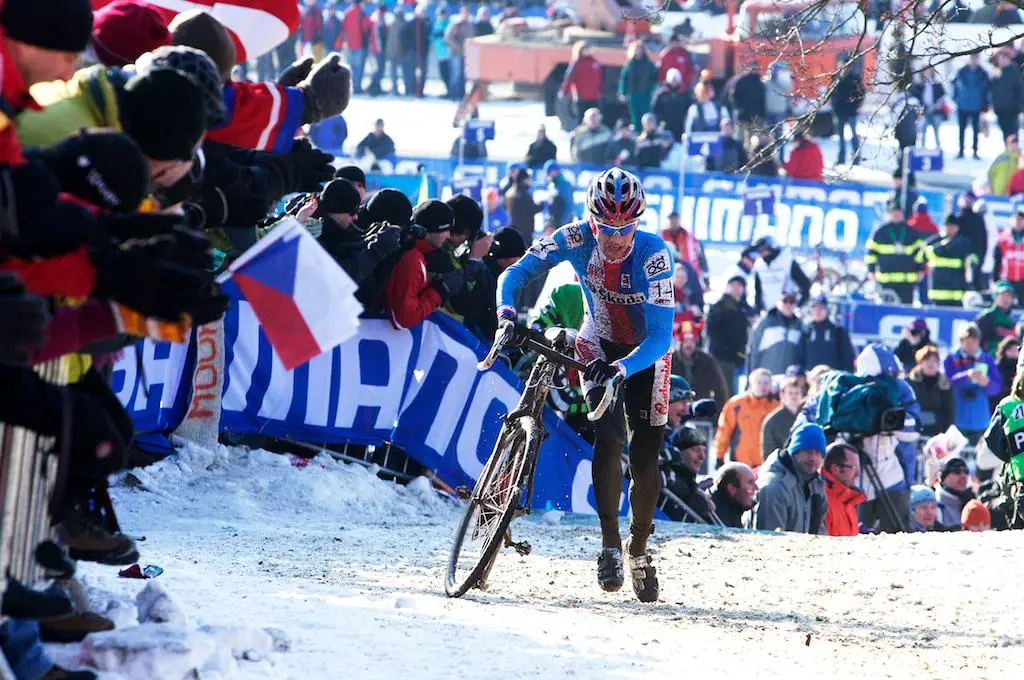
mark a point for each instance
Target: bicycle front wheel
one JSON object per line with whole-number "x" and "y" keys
{"x": 491, "y": 507}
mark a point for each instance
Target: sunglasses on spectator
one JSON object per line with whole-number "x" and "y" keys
{"x": 612, "y": 230}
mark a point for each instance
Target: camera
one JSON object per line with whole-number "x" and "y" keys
{"x": 892, "y": 420}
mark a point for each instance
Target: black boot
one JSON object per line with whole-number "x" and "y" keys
{"x": 51, "y": 557}
{"x": 21, "y": 602}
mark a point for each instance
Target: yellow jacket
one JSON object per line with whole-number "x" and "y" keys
{"x": 88, "y": 100}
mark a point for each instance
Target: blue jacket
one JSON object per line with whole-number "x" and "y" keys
{"x": 971, "y": 89}
{"x": 562, "y": 211}
{"x": 826, "y": 343}
{"x": 970, "y": 402}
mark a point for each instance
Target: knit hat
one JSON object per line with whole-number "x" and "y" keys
{"x": 820, "y": 300}
{"x": 391, "y": 206}
{"x": 59, "y": 25}
{"x": 201, "y": 31}
{"x": 551, "y": 166}
{"x": 975, "y": 513}
{"x": 434, "y": 216}
{"x": 808, "y": 436}
{"x": 507, "y": 242}
{"x": 685, "y": 437}
{"x": 920, "y": 495}
{"x": 162, "y": 110}
{"x": 918, "y": 325}
{"x": 679, "y": 389}
{"x": 1004, "y": 287}
{"x": 737, "y": 277}
{"x": 124, "y": 30}
{"x": 102, "y": 167}
{"x": 339, "y": 196}
{"x": 198, "y": 68}
{"x": 353, "y": 173}
{"x": 951, "y": 466}
{"x": 469, "y": 217}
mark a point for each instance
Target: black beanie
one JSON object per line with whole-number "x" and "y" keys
{"x": 162, "y": 110}
{"x": 102, "y": 167}
{"x": 339, "y": 196}
{"x": 507, "y": 243}
{"x": 197, "y": 67}
{"x": 354, "y": 174}
{"x": 60, "y": 25}
{"x": 434, "y": 216}
{"x": 389, "y": 205}
{"x": 468, "y": 215}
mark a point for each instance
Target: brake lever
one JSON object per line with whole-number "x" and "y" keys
{"x": 499, "y": 344}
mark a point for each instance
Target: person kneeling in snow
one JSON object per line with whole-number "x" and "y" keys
{"x": 791, "y": 496}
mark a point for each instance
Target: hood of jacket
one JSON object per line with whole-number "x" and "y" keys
{"x": 917, "y": 375}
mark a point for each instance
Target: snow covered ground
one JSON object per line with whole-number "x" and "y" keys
{"x": 348, "y": 569}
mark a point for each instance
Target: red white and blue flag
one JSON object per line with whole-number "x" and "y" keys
{"x": 304, "y": 301}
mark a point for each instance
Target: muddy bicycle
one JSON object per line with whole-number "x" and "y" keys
{"x": 504, "y": 489}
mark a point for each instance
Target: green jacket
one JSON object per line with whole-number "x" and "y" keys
{"x": 88, "y": 100}
{"x": 565, "y": 308}
{"x": 638, "y": 77}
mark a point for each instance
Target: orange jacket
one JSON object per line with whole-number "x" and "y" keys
{"x": 739, "y": 427}
{"x": 841, "y": 516}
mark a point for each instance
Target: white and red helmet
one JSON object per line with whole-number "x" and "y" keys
{"x": 616, "y": 197}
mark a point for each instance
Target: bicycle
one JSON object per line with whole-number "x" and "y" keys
{"x": 504, "y": 489}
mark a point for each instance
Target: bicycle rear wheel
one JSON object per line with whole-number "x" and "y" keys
{"x": 491, "y": 507}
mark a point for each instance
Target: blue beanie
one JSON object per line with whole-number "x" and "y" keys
{"x": 921, "y": 494}
{"x": 551, "y": 165}
{"x": 679, "y": 389}
{"x": 807, "y": 436}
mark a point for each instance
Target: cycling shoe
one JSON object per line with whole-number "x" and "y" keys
{"x": 609, "y": 570}
{"x": 644, "y": 576}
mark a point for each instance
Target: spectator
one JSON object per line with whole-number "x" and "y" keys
{"x": 689, "y": 297}
{"x": 675, "y": 57}
{"x": 1004, "y": 167}
{"x": 776, "y": 427}
{"x": 933, "y": 391}
{"x": 1016, "y": 186}
{"x": 931, "y": 93}
{"x": 778, "y": 98}
{"x": 637, "y": 81}
{"x": 698, "y": 368}
{"x": 355, "y": 27}
{"x": 686, "y": 455}
{"x": 590, "y": 140}
{"x": 906, "y": 116}
{"x": 336, "y": 209}
{"x": 791, "y": 496}
{"x": 509, "y": 180}
{"x": 921, "y": 221}
{"x": 680, "y": 396}
{"x": 971, "y": 95}
{"x": 996, "y": 322}
{"x": 824, "y": 341}
{"x": 379, "y": 37}
{"x": 974, "y": 377}
{"x": 734, "y": 493}
{"x": 417, "y": 49}
{"x": 777, "y": 273}
{"x": 739, "y": 423}
{"x": 923, "y": 509}
{"x": 622, "y": 149}
{"x": 733, "y": 157}
{"x": 893, "y": 255}
{"x": 704, "y": 115}
{"x": 541, "y": 150}
{"x": 847, "y": 99}
{"x": 497, "y": 216}
{"x": 670, "y": 103}
{"x": 1006, "y": 357}
{"x": 653, "y": 143}
{"x": 395, "y": 50}
{"x": 953, "y": 493}
{"x": 439, "y": 46}
{"x": 477, "y": 303}
{"x": 950, "y": 261}
{"x": 112, "y": 46}
{"x": 805, "y": 160}
{"x": 762, "y": 160}
{"x": 839, "y": 474}
{"x": 410, "y": 295}
{"x": 686, "y": 245}
{"x": 1007, "y": 91}
{"x": 377, "y": 144}
{"x": 1008, "y": 257}
{"x": 311, "y": 28}
{"x": 972, "y": 226}
{"x": 975, "y": 516}
{"x": 775, "y": 343}
{"x": 393, "y": 207}
{"x": 460, "y": 29}
{"x": 468, "y": 151}
{"x": 746, "y": 96}
{"x": 913, "y": 337}
{"x": 728, "y": 329}
{"x": 521, "y": 207}
{"x": 561, "y": 202}
{"x": 744, "y": 267}
{"x": 483, "y": 25}
{"x": 584, "y": 79}
{"x": 510, "y": 12}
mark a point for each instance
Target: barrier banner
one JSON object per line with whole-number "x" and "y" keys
{"x": 419, "y": 389}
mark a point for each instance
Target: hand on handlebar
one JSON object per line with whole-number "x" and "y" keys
{"x": 600, "y": 371}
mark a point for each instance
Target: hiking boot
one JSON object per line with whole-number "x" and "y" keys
{"x": 58, "y": 673}
{"x": 53, "y": 559}
{"x": 24, "y": 603}
{"x": 609, "y": 570}
{"x": 88, "y": 541}
{"x": 643, "y": 575}
{"x": 73, "y": 628}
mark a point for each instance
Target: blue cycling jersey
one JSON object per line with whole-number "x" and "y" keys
{"x": 627, "y": 302}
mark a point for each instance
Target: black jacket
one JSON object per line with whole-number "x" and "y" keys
{"x": 649, "y": 151}
{"x": 732, "y": 158}
{"x": 972, "y": 227}
{"x": 476, "y": 301}
{"x": 766, "y": 167}
{"x": 848, "y": 96}
{"x": 728, "y": 330}
{"x": 906, "y": 351}
{"x": 704, "y": 375}
{"x": 380, "y": 147}
{"x": 747, "y": 98}
{"x": 540, "y": 152}
{"x": 368, "y": 265}
{"x": 727, "y": 509}
{"x": 521, "y": 210}
{"x": 617, "y": 146}
{"x": 935, "y": 397}
{"x": 1007, "y": 89}
{"x": 670, "y": 106}
{"x": 678, "y": 479}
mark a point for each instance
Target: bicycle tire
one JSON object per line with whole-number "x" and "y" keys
{"x": 525, "y": 439}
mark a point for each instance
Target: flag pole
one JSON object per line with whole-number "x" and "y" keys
{"x": 906, "y": 182}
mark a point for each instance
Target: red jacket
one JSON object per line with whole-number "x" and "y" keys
{"x": 311, "y": 24}
{"x": 73, "y": 328}
{"x": 1016, "y": 184}
{"x": 922, "y": 222}
{"x": 408, "y": 297}
{"x": 354, "y": 25}
{"x": 586, "y": 80}
{"x": 676, "y": 58}
{"x": 69, "y": 275}
{"x": 805, "y": 161}
{"x": 15, "y": 100}
{"x": 841, "y": 515}
{"x": 261, "y": 116}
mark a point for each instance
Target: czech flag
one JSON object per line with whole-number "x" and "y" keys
{"x": 304, "y": 301}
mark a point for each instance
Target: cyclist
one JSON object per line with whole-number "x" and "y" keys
{"x": 626, "y": 335}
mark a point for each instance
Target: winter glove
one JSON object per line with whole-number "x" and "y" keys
{"x": 517, "y": 334}
{"x": 600, "y": 371}
{"x": 448, "y": 284}
{"x": 296, "y": 73}
{"x": 383, "y": 239}
{"x": 182, "y": 246}
{"x": 231, "y": 206}
{"x": 188, "y": 187}
{"x": 97, "y": 449}
{"x": 310, "y": 167}
{"x": 137, "y": 225}
{"x": 23, "y": 320}
{"x": 410, "y": 234}
{"x": 326, "y": 90}
{"x": 438, "y": 261}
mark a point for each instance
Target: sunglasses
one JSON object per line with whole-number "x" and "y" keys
{"x": 612, "y": 230}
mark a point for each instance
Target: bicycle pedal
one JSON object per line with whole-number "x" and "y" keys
{"x": 463, "y": 492}
{"x": 523, "y": 548}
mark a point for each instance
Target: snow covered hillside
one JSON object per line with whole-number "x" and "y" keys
{"x": 347, "y": 572}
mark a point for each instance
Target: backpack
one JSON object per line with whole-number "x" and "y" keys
{"x": 854, "y": 404}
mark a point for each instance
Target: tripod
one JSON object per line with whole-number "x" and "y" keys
{"x": 881, "y": 495}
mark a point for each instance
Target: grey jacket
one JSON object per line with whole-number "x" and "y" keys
{"x": 785, "y": 502}
{"x": 951, "y": 507}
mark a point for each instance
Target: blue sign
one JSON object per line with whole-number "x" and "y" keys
{"x": 704, "y": 144}
{"x": 759, "y": 201}
{"x": 924, "y": 160}
{"x": 470, "y": 186}
{"x": 476, "y": 131}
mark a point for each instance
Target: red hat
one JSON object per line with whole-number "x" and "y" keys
{"x": 124, "y": 30}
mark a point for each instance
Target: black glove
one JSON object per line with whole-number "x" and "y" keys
{"x": 97, "y": 448}
{"x": 231, "y": 206}
{"x": 448, "y": 284}
{"x": 187, "y": 188}
{"x": 310, "y": 167}
{"x": 137, "y": 225}
{"x": 23, "y": 320}
{"x": 326, "y": 90}
{"x": 383, "y": 238}
{"x": 182, "y": 246}
{"x": 704, "y": 409}
{"x": 438, "y": 261}
{"x": 296, "y": 73}
{"x": 410, "y": 234}
{"x": 600, "y": 371}
{"x": 210, "y": 309}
